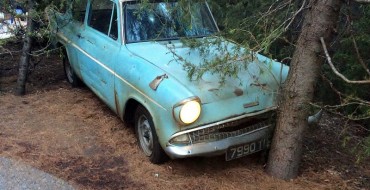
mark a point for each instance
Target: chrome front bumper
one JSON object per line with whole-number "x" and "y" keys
{"x": 208, "y": 141}
{"x": 218, "y": 147}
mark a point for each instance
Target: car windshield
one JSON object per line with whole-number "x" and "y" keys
{"x": 167, "y": 21}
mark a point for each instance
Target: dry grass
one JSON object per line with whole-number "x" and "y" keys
{"x": 74, "y": 136}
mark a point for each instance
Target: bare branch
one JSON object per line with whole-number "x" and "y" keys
{"x": 336, "y": 71}
{"x": 345, "y": 100}
{"x": 4, "y": 51}
{"x": 295, "y": 15}
{"x": 351, "y": 29}
{"x": 359, "y": 56}
{"x": 341, "y": 94}
{"x": 362, "y": 1}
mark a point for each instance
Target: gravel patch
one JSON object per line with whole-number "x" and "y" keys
{"x": 15, "y": 175}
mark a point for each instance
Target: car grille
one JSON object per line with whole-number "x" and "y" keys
{"x": 226, "y": 130}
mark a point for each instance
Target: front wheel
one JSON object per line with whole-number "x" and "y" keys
{"x": 147, "y": 136}
{"x": 71, "y": 76}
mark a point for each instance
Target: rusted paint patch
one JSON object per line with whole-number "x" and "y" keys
{"x": 252, "y": 104}
{"x": 103, "y": 81}
{"x": 238, "y": 92}
{"x": 213, "y": 89}
{"x": 116, "y": 101}
{"x": 263, "y": 86}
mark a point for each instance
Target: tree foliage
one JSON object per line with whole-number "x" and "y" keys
{"x": 256, "y": 25}
{"x": 350, "y": 58}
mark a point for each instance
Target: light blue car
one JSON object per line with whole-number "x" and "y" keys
{"x": 133, "y": 57}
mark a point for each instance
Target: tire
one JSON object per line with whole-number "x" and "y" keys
{"x": 71, "y": 76}
{"x": 147, "y": 136}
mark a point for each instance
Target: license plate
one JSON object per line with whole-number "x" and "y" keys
{"x": 238, "y": 151}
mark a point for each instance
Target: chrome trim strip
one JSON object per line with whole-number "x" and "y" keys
{"x": 247, "y": 133}
{"x": 214, "y": 148}
{"x": 193, "y": 98}
{"x": 123, "y": 22}
{"x": 222, "y": 122}
{"x": 213, "y": 18}
{"x": 108, "y": 69}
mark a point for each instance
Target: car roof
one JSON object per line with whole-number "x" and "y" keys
{"x": 128, "y": 0}
{"x": 125, "y": 0}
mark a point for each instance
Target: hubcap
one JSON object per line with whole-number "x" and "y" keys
{"x": 145, "y": 135}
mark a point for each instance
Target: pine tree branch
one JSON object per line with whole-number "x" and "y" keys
{"x": 336, "y": 71}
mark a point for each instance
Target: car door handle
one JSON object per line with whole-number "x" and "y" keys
{"x": 80, "y": 36}
{"x": 91, "y": 41}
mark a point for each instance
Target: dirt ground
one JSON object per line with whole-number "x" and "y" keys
{"x": 69, "y": 133}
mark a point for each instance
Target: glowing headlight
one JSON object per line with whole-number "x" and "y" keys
{"x": 190, "y": 112}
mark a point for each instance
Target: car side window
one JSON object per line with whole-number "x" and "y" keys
{"x": 103, "y": 17}
{"x": 78, "y": 10}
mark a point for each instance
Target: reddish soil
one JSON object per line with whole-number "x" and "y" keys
{"x": 71, "y": 134}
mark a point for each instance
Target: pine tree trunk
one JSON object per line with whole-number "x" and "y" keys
{"x": 26, "y": 50}
{"x": 286, "y": 150}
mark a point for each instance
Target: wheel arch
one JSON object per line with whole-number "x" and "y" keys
{"x": 129, "y": 110}
{"x": 62, "y": 49}
{"x": 130, "y": 107}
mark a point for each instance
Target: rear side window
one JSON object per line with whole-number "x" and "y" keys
{"x": 79, "y": 9}
{"x": 103, "y": 17}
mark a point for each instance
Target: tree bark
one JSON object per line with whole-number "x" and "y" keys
{"x": 26, "y": 50}
{"x": 286, "y": 150}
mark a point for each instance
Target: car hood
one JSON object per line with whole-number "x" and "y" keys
{"x": 262, "y": 75}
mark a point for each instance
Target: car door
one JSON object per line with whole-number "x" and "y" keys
{"x": 101, "y": 44}
{"x": 71, "y": 26}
